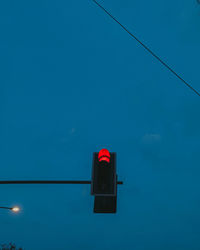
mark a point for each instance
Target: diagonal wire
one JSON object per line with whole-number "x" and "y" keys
{"x": 150, "y": 51}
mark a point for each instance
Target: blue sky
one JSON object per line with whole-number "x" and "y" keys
{"x": 72, "y": 82}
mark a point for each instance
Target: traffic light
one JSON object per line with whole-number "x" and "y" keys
{"x": 103, "y": 184}
{"x": 104, "y": 181}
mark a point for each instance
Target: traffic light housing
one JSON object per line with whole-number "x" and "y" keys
{"x": 104, "y": 182}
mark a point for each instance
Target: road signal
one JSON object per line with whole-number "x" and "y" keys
{"x": 103, "y": 184}
{"x": 104, "y": 181}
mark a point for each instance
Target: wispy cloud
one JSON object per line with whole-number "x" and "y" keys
{"x": 151, "y": 138}
{"x": 151, "y": 149}
{"x": 72, "y": 131}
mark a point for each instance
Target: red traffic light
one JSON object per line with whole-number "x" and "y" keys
{"x": 104, "y": 155}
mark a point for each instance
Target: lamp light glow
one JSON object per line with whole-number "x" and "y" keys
{"x": 15, "y": 209}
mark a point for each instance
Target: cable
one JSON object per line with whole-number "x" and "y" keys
{"x": 151, "y": 52}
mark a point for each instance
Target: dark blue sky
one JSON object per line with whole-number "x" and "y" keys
{"x": 71, "y": 82}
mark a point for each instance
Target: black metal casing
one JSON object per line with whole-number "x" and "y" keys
{"x": 104, "y": 184}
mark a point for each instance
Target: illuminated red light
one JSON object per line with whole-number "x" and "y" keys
{"x": 104, "y": 155}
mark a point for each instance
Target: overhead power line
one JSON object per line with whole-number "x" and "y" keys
{"x": 150, "y": 51}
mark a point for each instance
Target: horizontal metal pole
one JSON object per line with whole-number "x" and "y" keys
{"x": 7, "y": 208}
{"x": 49, "y": 182}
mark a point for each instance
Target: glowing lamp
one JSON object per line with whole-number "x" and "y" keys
{"x": 15, "y": 209}
{"x": 104, "y": 155}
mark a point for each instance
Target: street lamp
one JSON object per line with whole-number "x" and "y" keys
{"x": 13, "y": 209}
